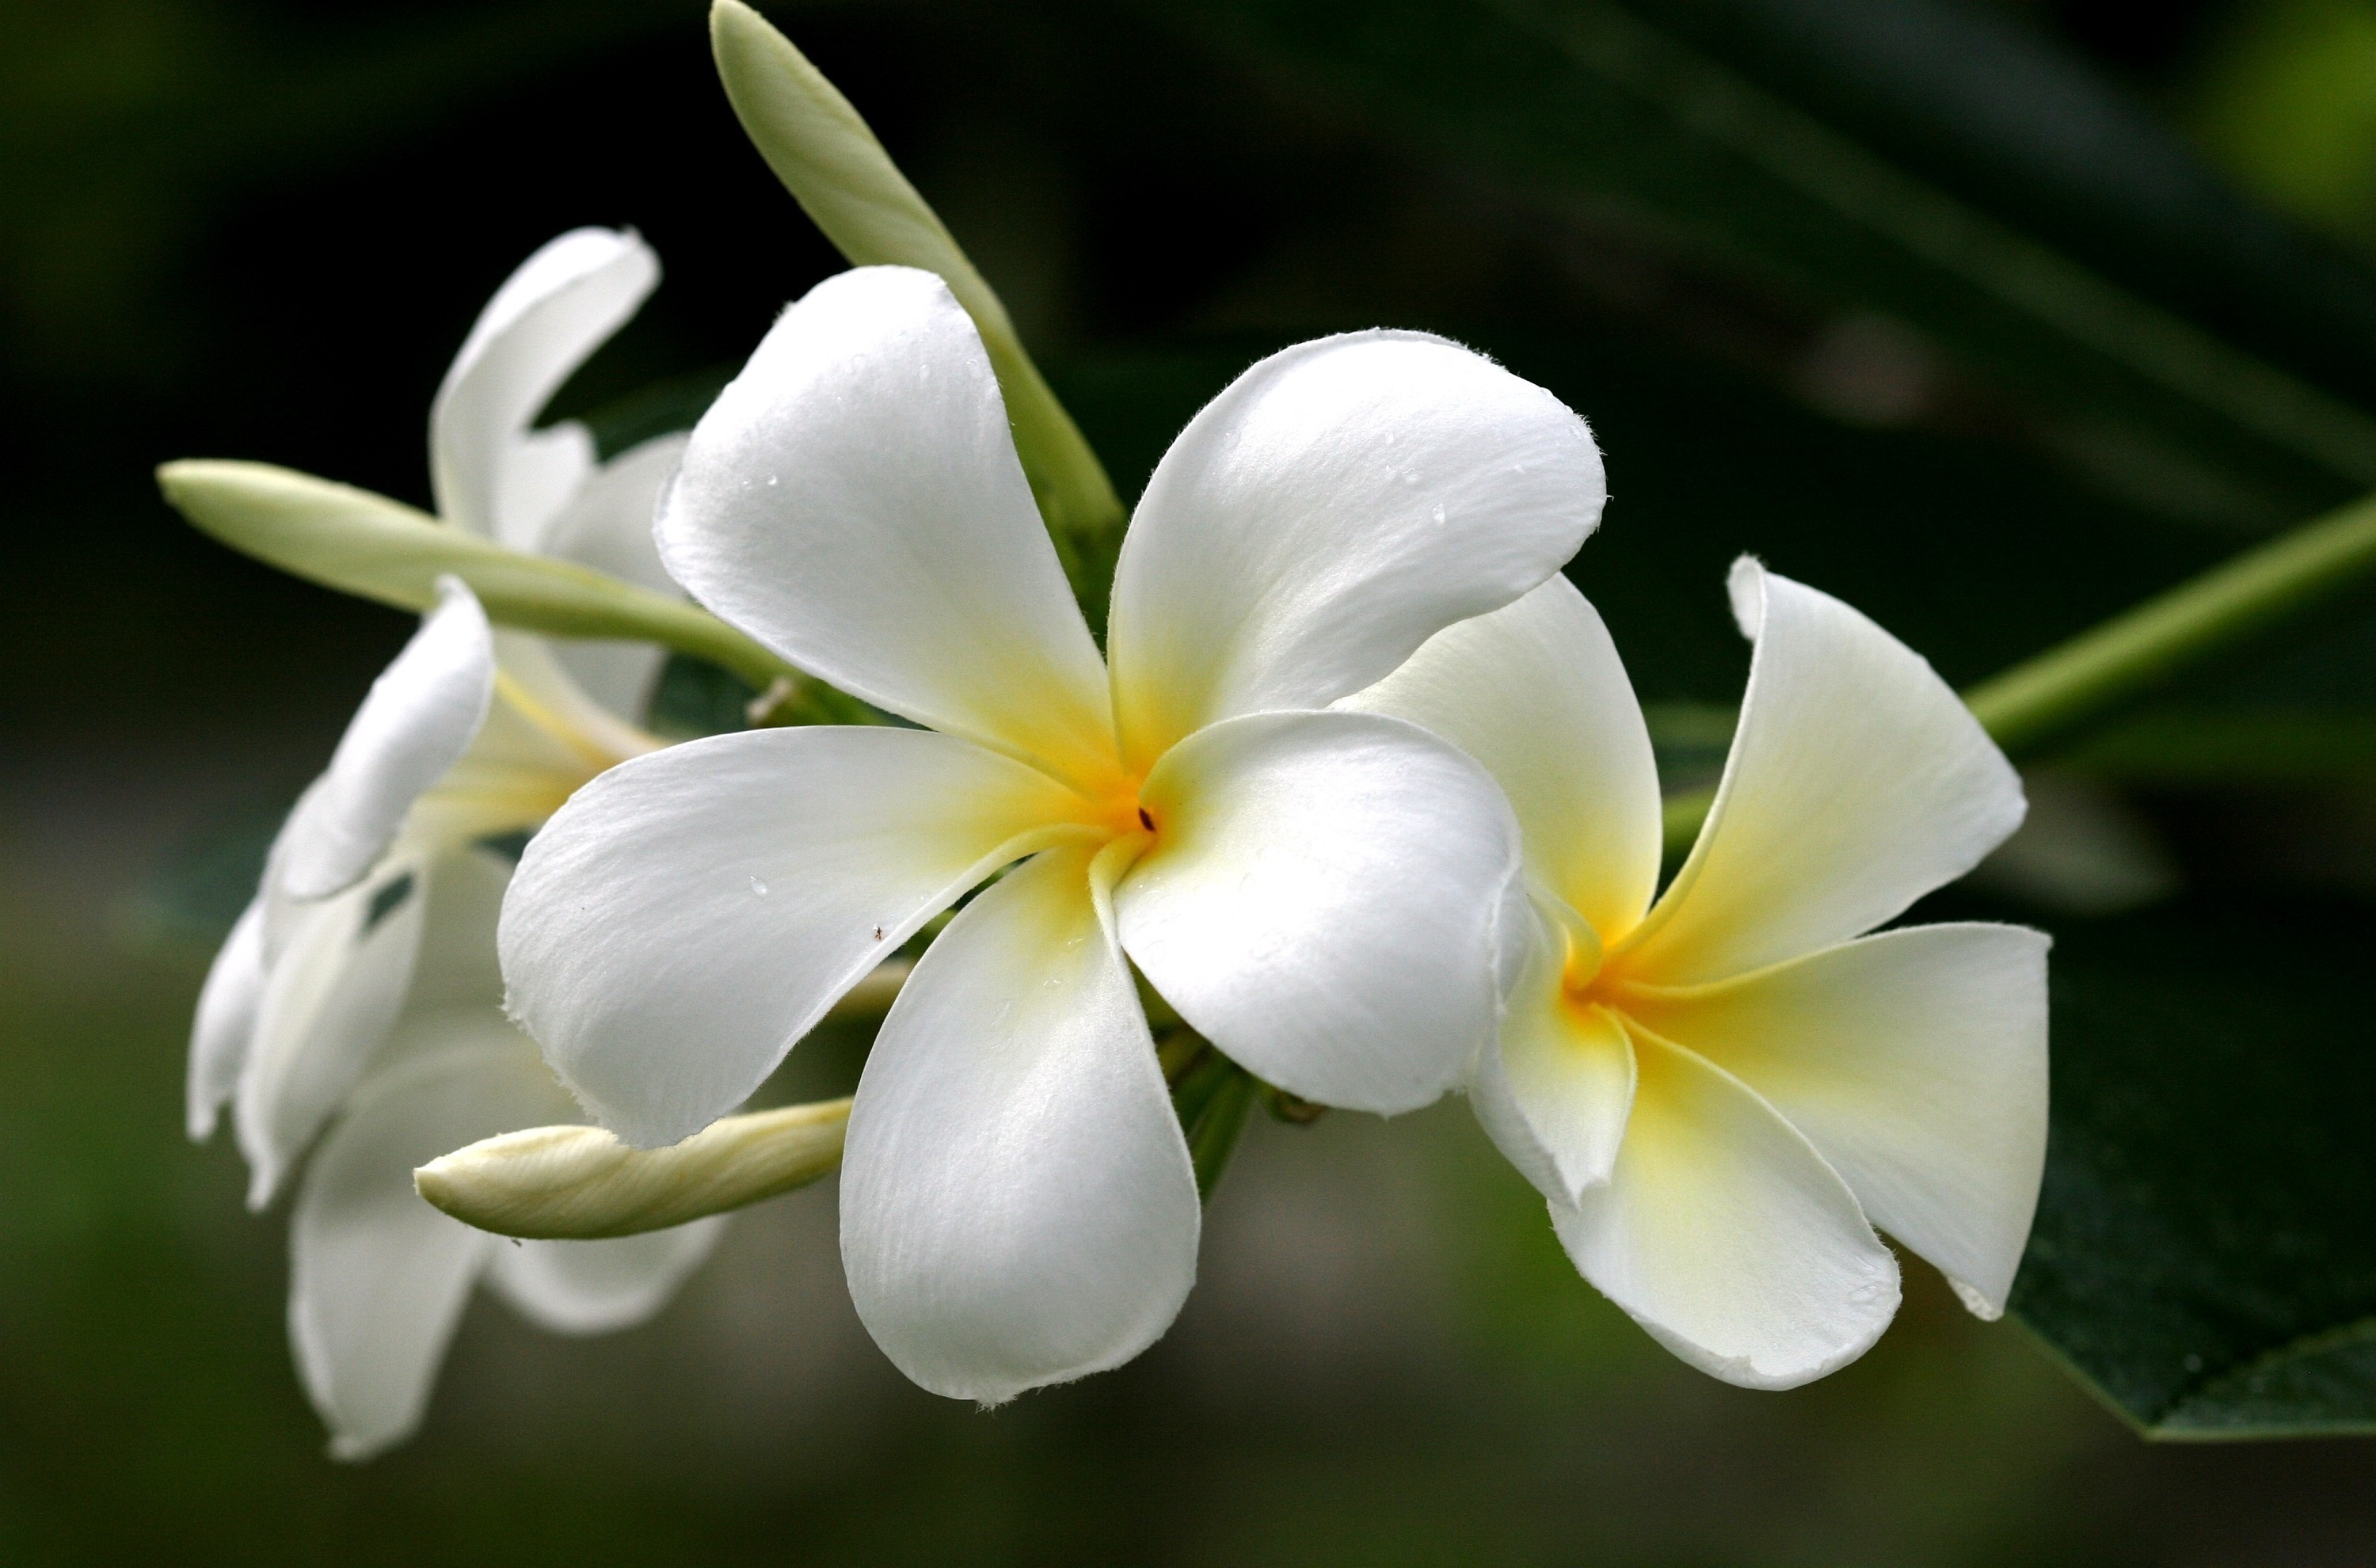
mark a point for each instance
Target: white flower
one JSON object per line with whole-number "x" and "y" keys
{"x": 1723, "y": 1092}
{"x": 378, "y": 1279}
{"x": 1315, "y": 892}
{"x": 360, "y": 983}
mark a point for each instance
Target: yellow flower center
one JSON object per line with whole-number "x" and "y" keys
{"x": 1593, "y": 976}
{"x": 1119, "y": 810}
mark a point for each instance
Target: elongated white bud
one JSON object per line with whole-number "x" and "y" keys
{"x": 821, "y": 148}
{"x": 581, "y": 1184}
{"x": 365, "y": 544}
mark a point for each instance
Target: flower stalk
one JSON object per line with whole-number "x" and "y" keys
{"x": 2044, "y": 698}
{"x": 1211, "y": 1096}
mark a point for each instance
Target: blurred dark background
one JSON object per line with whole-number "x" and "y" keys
{"x": 260, "y": 230}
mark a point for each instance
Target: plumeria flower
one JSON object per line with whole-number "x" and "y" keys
{"x": 1723, "y": 1090}
{"x": 346, "y": 959}
{"x": 1315, "y": 892}
{"x": 378, "y": 1279}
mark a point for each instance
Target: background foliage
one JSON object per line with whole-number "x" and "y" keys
{"x": 1990, "y": 318}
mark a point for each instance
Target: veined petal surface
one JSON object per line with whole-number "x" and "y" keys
{"x": 1017, "y": 1206}
{"x": 608, "y": 525}
{"x": 688, "y": 915}
{"x": 1537, "y": 693}
{"x": 1336, "y": 507}
{"x": 1858, "y": 782}
{"x": 1554, "y": 1090}
{"x": 1915, "y": 1061}
{"x": 229, "y": 1005}
{"x": 335, "y": 988}
{"x": 853, "y": 500}
{"x": 492, "y": 473}
{"x": 416, "y": 722}
{"x": 1722, "y": 1231}
{"x": 1321, "y": 902}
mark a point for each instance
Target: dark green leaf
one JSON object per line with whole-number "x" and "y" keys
{"x": 2204, "y": 1254}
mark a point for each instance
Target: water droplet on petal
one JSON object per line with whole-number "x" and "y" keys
{"x": 1410, "y": 476}
{"x": 759, "y": 887}
{"x": 772, "y": 480}
{"x": 1439, "y": 513}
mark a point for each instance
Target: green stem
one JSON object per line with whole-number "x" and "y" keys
{"x": 1214, "y": 1138}
{"x": 2045, "y": 699}
{"x": 1211, "y": 1094}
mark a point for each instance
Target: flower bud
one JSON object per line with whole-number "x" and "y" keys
{"x": 578, "y": 1182}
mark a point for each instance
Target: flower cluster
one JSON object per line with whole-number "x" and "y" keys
{"x": 1355, "y": 788}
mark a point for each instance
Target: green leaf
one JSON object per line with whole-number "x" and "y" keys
{"x": 1587, "y": 111}
{"x": 2203, "y": 1254}
{"x": 368, "y": 545}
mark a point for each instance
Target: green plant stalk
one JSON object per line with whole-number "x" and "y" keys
{"x": 365, "y": 544}
{"x": 2045, "y": 699}
{"x": 826, "y": 155}
{"x": 1220, "y": 1118}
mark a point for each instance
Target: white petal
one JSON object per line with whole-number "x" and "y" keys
{"x": 608, "y": 523}
{"x": 1017, "y": 1206}
{"x": 1554, "y": 1091}
{"x": 378, "y": 1277}
{"x": 1915, "y": 1061}
{"x": 608, "y": 526}
{"x": 419, "y": 717}
{"x": 1321, "y": 902}
{"x": 491, "y": 473}
{"x": 532, "y": 679}
{"x": 335, "y": 988}
{"x": 455, "y": 965}
{"x": 225, "y": 1025}
{"x": 601, "y": 1286}
{"x": 853, "y": 500}
{"x": 690, "y": 914}
{"x": 1335, "y": 508}
{"x": 1722, "y": 1231}
{"x": 514, "y": 774}
{"x": 1858, "y": 782}
{"x": 1537, "y": 693}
